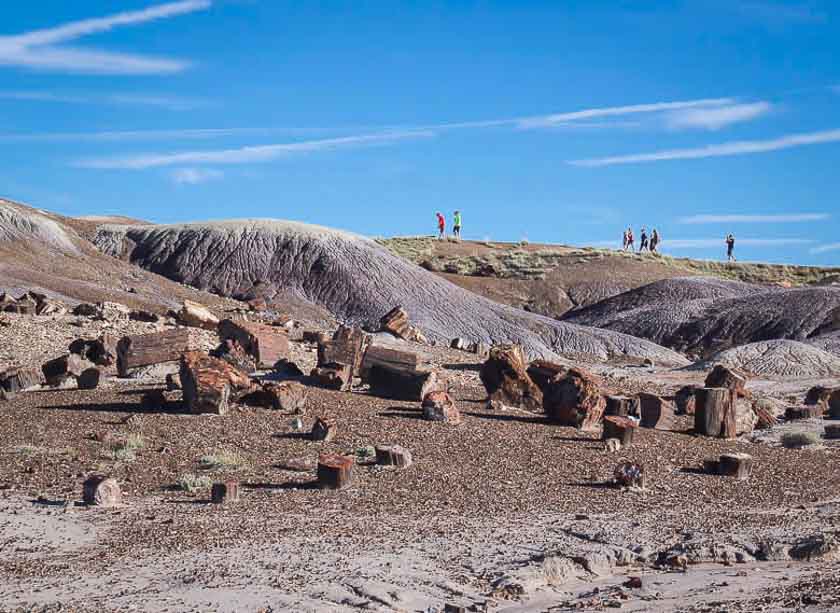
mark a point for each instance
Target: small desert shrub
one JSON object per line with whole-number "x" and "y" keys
{"x": 125, "y": 450}
{"x": 27, "y": 449}
{"x": 796, "y": 440}
{"x": 221, "y": 459}
{"x": 194, "y": 483}
{"x": 365, "y": 452}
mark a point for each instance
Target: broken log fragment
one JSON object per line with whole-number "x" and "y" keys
{"x": 621, "y": 406}
{"x": 729, "y": 378}
{"x": 225, "y": 493}
{"x": 101, "y": 491}
{"x": 334, "y": 376}
{"x": 347, "y": 346}
{"x": 684, "y": 400}
{"x": 22, "y": 379}
{"x": 819, "y": 395}
{"x": 195, "y": 315}
{"x": 621, "y": 428}
{"x": 207, "y": 383}
{"x": 738, "y": 465}
{"x": 266, "y": 344}
{"x": 289, "y": 396}
{"x": 542, "y": 372}
{"x": 89, "y": 379}
{"x": 147, "y": 349}
{"x": 439, "y": 406}
{"x": 58, "y": 370}
{"x": 505, "y": 377}
{"x": 323, "y": 430}
{"x": 575, "y": 400}
{"x": 335, "y": 471}
{"x": 713, "y": 411}
{"x": 655, "y": 412}
{"x": 629, "y": 474}
{"x": 101, "y": 351}
{"x": 397, "y": 323}
{"x": 392, "y": 359}
{"x": 806, "y": 411}
{"x": 401, "y": 385}
{"x": 393, "y": 455}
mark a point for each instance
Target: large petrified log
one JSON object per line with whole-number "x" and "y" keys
{"x": 266, "y": 344}
{"x": 392, "y": 359}
{"x": 575, "y": 400}
{"x": 397, "y": 323}
{"x": 655, "y": 412}
{"x": 70, "y": 366}
{"x": 505, "y": 377}
{"x": 621, "y": 406}
{"x": 347, "y": 346}
{"x": 403, "y": 385}
{"x": 195, "y": 315}
{"x": 207, "y": 383}
{"x": 714, "y": 413}
{"x": 335, "y": 471}
{"x": 542, "y": 372}
{"x": 439, "y": 406}
{"x": 334, "y": 376}
{"x": 621, "y": 428}
{"x": 147, "y": 349}
{"x": 729, "y": 378}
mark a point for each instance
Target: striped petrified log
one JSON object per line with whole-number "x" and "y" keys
{"x": 655, "y": 412}
{"x": 21, "y": 379}
{"x": 347, "y": 346}
{"x": 207, "y": 383}
{"x": 335, "y": 471}
{"x": 393, "y": 455}
{"x": 621, "y": 406}
{"x": 621, "y": 428}
{"x": 397, "y": 323}
{"x": 266, "y": 344}
{"x": 505, "y": 377}
{"x": 714, "y": 413}
{"x": 730, "y": 378}
{"x": 575, "y": 400}
{"x": 738, "y": 465}
{"x": 147, "y": 349}
{"x": 392, "y": 359}
{"x": 401, "y": 385}
{"x": 287, "y": 396}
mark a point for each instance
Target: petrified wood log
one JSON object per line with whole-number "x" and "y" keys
{"x": 334, "y": 376}
{"x": 506, "y": 379}
{"x": 738, "y": 465}
{"x": 197, "y": 315}
{"x": 621, "y": 428}
{"x": 806, "y": 411}
{"x": 207, "y": 383}
{"x": 684, "y": 400}
{"x": 147, "y": 349}
{"x": 58, "y": 370}
{"x": 439, "y": 406}
{"x": 347, "y": 346}
{"x": 393, "y": 455}
{"x": 21, "y": 379}
{"x": 101, "y": 491}
{"x": 266, "y": 344}
{"x": 542, "y": 372}
{"x": 621, "y": 406}
{"x": 655, "y": 412}
{"x": 287, "y": 396}
{"x": 730, "y": 378}
{"x": 401, "y": 385}
{"x": 393, "y": 359}
{"x": 575, "y": 400}
{"x": 323, "y": 430}
{"x": 397, "y": 323}
{"x": 101, "y": 351}
{"x": 714, "y": 413}
{"x": 225, "y": 493}
{"x": 335, "y": 471}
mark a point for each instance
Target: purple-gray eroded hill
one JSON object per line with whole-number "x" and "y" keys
{"x": 355, "y": 279}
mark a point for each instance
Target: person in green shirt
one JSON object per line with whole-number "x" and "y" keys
{"x": 456, "y": 225}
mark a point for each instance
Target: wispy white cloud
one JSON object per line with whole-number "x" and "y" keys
{"x": 782, "y": 218}
{"x": 825, "y": 248}
{"x": 719, "y": 150}
{"x": 194, "y": 176}
{"x": 174, "y": 103}
{"x": 715, "y": 118}
{"x": 37, "y": 49}
{"x": 244, "y": 155}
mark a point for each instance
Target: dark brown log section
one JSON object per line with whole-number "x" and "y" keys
{"x": 393, "y": 455}
{"x": 147, "y": 349}
{"x": 403, "y": 385}
{"x": 286, "y": 396}
{"x": 347, "y": 346}
{"x": 655, "y": 412}
{"x": 266, "y": 344}
{"x": 621, "y": 406}
{"x": 323, "y": 430}
{"x": 57, "y": 371}
{"x": 738, "y": 465}
{"x": 335, "y": 472}
{"x": 225, "y": 493}
{"x": 207, "y": 383}
{"x": 575, "y": 400}
{"x": 333, "y": 376}
{"x": 622, "y": 428}
{"x": 505, "y": 377}
{"x": 21, "y": 379}
{"x": 542, "y": 372}
{"x": 392, "y": 359}
{"x": 714, "y": 413}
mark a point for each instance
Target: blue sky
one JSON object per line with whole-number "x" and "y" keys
{"x": 551, "y": 121}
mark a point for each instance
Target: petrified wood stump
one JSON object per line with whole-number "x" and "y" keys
{"x": 101, "y": 491}
{"x": 224, "y": 493}
{"x": 335, "y": 471}
{"x": 621, "y": 428}
{"x": 738, "y": 465}
{"x": 393, "y": 455}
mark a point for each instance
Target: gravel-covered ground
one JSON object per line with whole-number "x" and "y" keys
{"x": 503, "y": 509}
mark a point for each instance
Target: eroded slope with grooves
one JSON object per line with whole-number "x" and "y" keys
{"x": 778, "y": 358}
{"x": 703, "y": 315}
{"x": 354, "y": 278}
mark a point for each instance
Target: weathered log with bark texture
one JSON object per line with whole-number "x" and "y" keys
{"x": 401, "y": 385}
{"x": 335, "y": 471}
{"x": 266, "y": 344}
{"x": 738, "y": 465}
{"x": 323, "y": 430}
{"x": 621, "y": 428}
{"x": 287, "y": 396}
{"x": 347, "y": 346}
{"x": 207, "y": 383}
{"x": 621, "y": 406}
{"x": 232, "y": 352}
{"x": 505, "y": 377}
{"x": 819, "y": 395}
{"x": 89, "y": 379}
{"x": 21, "y": 379}
{"x": 729, "y": 378}
{"x": 101, "y": 491}
{"x": 629, "y": 474}
{"x": 315, "y": 336}
{"x": 334, "y": 376}
{"x": 101, "y": 351}
{"x": 392, "y": 359}
{"x": 765, "y": 417}
{"x": 542, "y": 372}
{"x": 69, "y": 366}
{"x": 655, "y": 412}
{"x": 225, "y": 493}
{"x": 197, "y": 315}
{"x": 397, "y": 323}
{"x": 156, "y": 348}
{"x": 393, "y": 455}
{"x": 684, "y": 400}
{"x": 439, "y": 406}
{"x": 714, "y": 414}
{"x": 806, "y": 411}
{"x": 575, "y": 400}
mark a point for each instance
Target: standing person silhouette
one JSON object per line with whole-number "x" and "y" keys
{"x": 644, "y": 243}
{"x": 441, "y": 226}
{"x": 631, "y": 240}
{"x": 654, "y": 240}
{"x": 456, "y": 225}
{"x": 730, "y": 248}
{"x": 624, "y": 241}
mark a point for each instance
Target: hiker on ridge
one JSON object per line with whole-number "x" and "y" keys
{"x": 456, "y": 225}
{"x": 730, "y": 248}
{"x": 654, "y": 240}
{"x": 631, "y": 241}
{"x": 644, "y": 244}
{"x": 624, "y": 241}
{"x": 441, "y": 226}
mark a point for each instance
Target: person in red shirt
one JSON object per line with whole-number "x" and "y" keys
{"x": 441, "y": 226}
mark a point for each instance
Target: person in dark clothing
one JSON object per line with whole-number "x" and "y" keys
{"x": 654, "y": 240}
{"x": 631, "y": 240}
{"x": 644, "y": 243}
{"x": 730, "y": 248}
